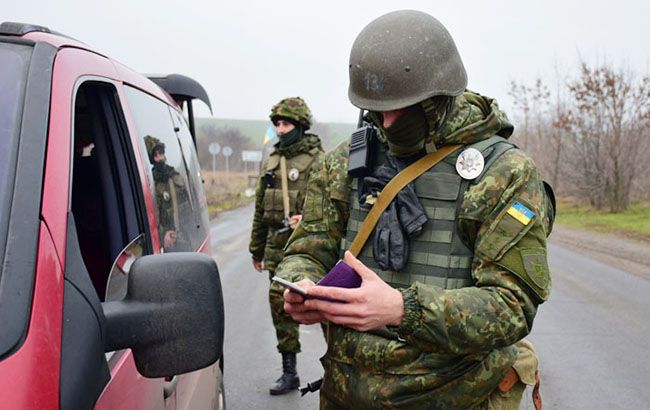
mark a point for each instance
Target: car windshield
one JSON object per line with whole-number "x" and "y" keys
{"x": 14, "y": 60}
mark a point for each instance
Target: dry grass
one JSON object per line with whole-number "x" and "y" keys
{"x": 226, "y": 191}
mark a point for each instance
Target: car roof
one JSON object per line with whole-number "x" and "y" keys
{"x": 60, "y": 41}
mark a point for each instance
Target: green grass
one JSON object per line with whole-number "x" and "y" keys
{"x": 635, "y": 222}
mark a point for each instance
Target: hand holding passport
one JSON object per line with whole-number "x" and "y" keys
{"x": 341, "y": 275}
{"x": 364, "y": 300}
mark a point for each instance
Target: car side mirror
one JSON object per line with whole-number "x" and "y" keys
{"x": 172, "y": 315}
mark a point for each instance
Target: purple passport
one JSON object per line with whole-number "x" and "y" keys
{"x": 342, "y": 276}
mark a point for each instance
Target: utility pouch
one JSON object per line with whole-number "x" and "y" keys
{"x": 362, "y": 144}
{"x": 269, "y": 181}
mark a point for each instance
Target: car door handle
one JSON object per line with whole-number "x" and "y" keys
{"x": 170, "y": 387}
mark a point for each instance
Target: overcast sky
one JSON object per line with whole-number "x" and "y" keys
{"x": 250, "y": 54}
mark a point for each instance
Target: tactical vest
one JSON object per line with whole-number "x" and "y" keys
{"x": 298, "y": 173}
{"x": 437, "y": 256}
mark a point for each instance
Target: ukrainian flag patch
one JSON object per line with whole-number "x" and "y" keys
{"x": 521, "y": 213}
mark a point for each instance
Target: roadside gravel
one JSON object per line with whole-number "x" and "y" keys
{"x": 627, "y": 254}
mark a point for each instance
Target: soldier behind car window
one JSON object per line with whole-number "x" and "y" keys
{"x": 456, "y": 268}
{"x": 278, "y": 209}
{"x": 172, "y": 198}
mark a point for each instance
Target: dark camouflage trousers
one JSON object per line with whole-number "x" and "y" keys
{"x": 286, "y": 329}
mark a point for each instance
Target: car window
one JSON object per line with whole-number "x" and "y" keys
{"x": 104, "y": 202}
{"x": 168, "y": 177}
{"x": 197, "y": 193}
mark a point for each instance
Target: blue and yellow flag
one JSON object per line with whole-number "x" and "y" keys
{"x": 270, "y": 134}
{"x": 521, "y": 213}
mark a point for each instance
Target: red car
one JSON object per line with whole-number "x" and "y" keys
{"x": 109, "y": 298}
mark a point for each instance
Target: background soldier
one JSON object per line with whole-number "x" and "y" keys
{"x": 171, "y": 197}
{"x": 455, "y": 271}
{"x": 278, "y": 207}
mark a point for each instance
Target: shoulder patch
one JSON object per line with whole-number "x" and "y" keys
{"x": 536, "y": 267}
{"x": 521, "y": 213}
{"x": 506, "y": 230}
{"x": 531, "y": 266}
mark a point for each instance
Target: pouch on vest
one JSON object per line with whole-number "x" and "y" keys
{"x": 274, "y": 208}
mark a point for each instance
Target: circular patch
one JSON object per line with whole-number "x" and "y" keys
{"x": 470, "y": 163}
{"x": 166, "y": 196}
{"x": 293, "y": 174}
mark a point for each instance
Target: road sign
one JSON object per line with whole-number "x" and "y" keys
{"x": 214, "y": 148}
{"x": 227, "y": 151}
{"x": 251, "y": 156}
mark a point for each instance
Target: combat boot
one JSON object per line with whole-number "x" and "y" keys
{"x": 289, "y": 380}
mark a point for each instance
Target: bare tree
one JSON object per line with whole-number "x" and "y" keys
{"x": 610, "y": 133}
{"x": 520, "y": 96}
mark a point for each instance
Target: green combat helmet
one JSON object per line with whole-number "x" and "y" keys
{"x": 293, "y": 108}
{"x": 401, "y": 59}
{"x": 153, "y": 144}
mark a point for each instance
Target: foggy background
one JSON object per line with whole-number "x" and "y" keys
{"x": 250, "y": 54}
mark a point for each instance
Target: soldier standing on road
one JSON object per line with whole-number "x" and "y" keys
{"x": 457, "y": 266}
{"x": 278, "y": 209}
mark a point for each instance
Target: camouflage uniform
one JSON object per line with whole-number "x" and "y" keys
{"x": 457, "y": 337}
{"x": 269, "y": 234}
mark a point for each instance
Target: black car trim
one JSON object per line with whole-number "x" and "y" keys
{"x": 84, "y": 371}
{"x": 20, "y": 29}
{"x": 132, "y": 174}
{"x": 18, "y": 270}
{"x": 17, "y": 40}
{"x": 181, "y": 87}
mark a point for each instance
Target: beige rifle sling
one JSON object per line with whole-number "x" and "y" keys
{"x": 285, "y": 187}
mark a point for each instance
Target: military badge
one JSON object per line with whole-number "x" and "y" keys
{"x": 166, "y": 196}
{"x": 470, "y": 163}
{"x": 293, "y": 174}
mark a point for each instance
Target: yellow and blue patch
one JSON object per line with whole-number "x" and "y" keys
{"x": 521, "y": 213}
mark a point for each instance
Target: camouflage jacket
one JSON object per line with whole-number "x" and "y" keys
{"x": 266, "y": 243}
{"x": 456, "y": 343}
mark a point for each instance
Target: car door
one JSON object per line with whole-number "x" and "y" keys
{"x": 181, "y": 224}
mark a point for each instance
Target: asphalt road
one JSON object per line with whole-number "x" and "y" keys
{"x": 592, "y": 335}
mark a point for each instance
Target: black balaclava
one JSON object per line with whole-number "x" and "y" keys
{"x": 292, "y": 136}
{"x": 406, "y": 136}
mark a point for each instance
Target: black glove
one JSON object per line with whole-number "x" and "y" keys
{"x": 402, "y": 219}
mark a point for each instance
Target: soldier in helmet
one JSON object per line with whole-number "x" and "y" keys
{"x": 171, "y": 197}
{"x": 456, "y": 266}
{"x": 278, "y": 209}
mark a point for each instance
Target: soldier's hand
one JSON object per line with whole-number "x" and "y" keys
{"x": 258, "y": 265}
{"x": 294, "y": 304}
{"x": 373, "y": 305}
{"x": 295, "y": 220}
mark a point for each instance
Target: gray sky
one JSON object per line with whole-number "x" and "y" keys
{"x": 250, "y": 54}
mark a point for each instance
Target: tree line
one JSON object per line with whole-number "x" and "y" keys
{"x": 589, "y": 134}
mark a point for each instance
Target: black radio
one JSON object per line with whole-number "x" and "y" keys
{"x": 362, "y": 145}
